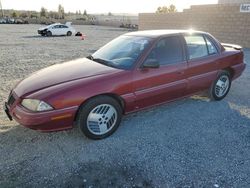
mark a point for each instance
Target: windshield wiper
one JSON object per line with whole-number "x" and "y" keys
{"x": 102, "y": 61}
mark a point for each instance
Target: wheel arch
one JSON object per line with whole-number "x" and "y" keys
{"x": 230, "y": 71}
{"x": 118, "y": 98}
{"x": 49, "y": 30}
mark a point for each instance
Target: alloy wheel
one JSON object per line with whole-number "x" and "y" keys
{"x": 101, "y": 119}
{"x": 222, "y": 86}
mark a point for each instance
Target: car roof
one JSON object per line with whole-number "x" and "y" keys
{"x": 56, "y": 24}
{"x": 158, "y": 33}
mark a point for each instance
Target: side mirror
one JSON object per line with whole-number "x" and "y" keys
{"x": 151, "y": 63}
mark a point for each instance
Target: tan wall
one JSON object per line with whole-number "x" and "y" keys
{"x": 225, "y": 22}
{"x": 233, "y": 1}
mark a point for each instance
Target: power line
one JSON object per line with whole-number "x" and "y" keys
{"x": 1, "y": 9}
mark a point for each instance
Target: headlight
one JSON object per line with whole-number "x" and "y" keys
{"x": 36, "y": 105}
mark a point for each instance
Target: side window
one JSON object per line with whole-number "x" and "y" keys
{"x": 211, "y": 47}
{"x": 168, "y": 51}
{"x": 56, "y": 27}
{"x": 196, "y": 46}
{"x": 63, "y": 26}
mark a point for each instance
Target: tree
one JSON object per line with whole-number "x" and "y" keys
{"x": 166, "y": 9}
{"x": 110, "y": 14}
{"x": 54, "y": 15}
{"x": 61, "y": 12}
{"x": 85, "y": 13}
{"x": 33, "y": 15}
{"x": 43, "y": 12}
{"x": 172, "y": 8}
{"x": 24, "y": 15}
{"x": 14, "y": 14}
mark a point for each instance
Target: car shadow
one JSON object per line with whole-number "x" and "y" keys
{"x": 39, "y": 36}
{"x": 34, "y": 36}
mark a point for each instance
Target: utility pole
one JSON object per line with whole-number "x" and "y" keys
{"x": 1, "y": 9}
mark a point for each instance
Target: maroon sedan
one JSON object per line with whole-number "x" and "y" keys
{"x": 134, "y": 71}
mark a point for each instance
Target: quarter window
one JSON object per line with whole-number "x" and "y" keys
{"x": 168, "y": 51}
{"x": 211, "y": 48}
{"x": 196, "y": 46}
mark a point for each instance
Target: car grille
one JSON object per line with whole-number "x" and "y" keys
{"x": 11, "y": 100}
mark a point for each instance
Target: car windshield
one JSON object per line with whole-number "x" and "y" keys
{"x": 121, "y": 52}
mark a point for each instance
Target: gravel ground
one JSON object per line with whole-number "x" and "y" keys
{"x": 188, "y": 143}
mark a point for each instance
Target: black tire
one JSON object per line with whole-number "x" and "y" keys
{"x": 69, "y": 33}
{"x": 48, "y": 34}
{"x": 212, "y": 92}
{"x": 88, "y": 107}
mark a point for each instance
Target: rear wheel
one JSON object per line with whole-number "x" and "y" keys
{"x": 48, "y": 34}
{"x": 69, "y": 33}
{"x": 221, "y": 86}
{"x": 99, "y": 117}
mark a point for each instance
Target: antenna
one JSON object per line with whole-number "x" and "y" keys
{"x": 1, "y": 8}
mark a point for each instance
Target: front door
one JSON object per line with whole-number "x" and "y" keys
{"x": 168, "y": 81}
{"x": 56, "y": 30}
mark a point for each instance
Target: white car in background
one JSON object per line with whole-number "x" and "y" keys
{"x": 57, "y": 29}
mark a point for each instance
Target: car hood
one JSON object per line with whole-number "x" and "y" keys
{"x": 42, "y": 28}
{"x": 61, "y": 73}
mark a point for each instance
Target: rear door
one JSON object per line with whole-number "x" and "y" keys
{"x": 64, "y": 29}
{"x": 157, "y": 85}
{"x": 203, "y": 59}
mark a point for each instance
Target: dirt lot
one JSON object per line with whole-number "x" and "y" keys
{"x": 189, "y": 143}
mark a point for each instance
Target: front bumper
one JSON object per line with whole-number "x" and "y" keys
{"x": 48, "y": 121}
{"x": 41, "y": 32}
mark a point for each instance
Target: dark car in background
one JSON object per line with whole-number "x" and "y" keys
{"x": 13, "y": 21}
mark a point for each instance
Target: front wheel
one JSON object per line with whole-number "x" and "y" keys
{"x": 99, "y": 117}
{"x": 221, "y": 86}
{"x": 48, "y": 34}
{"x": 69, "y": 33}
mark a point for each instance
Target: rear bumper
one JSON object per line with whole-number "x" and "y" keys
{"x": 44, "y": 121}
{"x": 238, "y": 70}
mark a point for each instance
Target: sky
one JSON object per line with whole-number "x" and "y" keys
{"x": 101, "y": 6}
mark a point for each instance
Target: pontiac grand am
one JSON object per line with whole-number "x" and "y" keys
{"x": 134, "y": 71}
